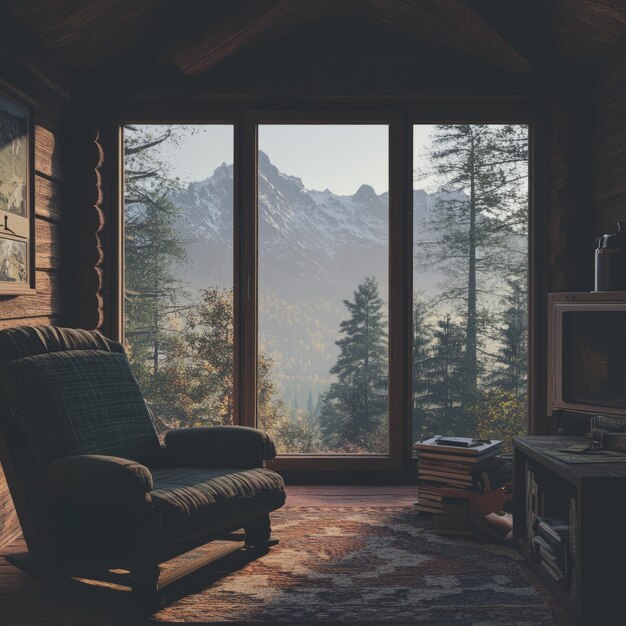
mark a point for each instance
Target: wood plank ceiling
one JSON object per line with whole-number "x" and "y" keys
{"x": 196, "y": 35}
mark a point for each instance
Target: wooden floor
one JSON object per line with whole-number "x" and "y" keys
{"x": 24, "y": 600}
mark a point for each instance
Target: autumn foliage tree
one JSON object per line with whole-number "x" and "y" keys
{"x": 153, "y": 291}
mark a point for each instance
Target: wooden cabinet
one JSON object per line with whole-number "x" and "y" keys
{"x": 591, "y": 497}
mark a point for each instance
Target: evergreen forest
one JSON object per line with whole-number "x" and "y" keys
{"x": 469, "y": 338}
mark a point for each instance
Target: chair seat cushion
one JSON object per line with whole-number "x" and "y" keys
{"x": 210, "y": 500}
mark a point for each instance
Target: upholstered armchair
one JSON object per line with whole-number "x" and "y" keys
{"x": 94, "y": 488}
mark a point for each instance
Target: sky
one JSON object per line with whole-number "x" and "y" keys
{"x": 339, "y": 157}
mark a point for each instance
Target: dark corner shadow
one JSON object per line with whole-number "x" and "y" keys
{"x": 116, "y": 604}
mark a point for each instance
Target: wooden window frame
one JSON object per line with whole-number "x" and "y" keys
{"x": 400, "y": 114}
{"x": 536, "y": 281}
{"x": 214, "y": 119}
{"x": 393, "y": 459}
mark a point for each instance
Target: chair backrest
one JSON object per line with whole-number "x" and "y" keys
{"x": 64, "y": 392}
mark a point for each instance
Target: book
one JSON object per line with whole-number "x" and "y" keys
{"x": 573, "y": 547}
{"x": 429, "y": 501}
{"x": 556, "y": 555}
{"x": 544, "y": 554}
{"x": 442, "y": 477}
{"x": 426, "y": 508}
{"x": 553, "y": 571}
{"x": 556, "y": 528}
{"x": 458, "y": 466}
{"x": 475, "y": 448}
{"x": 437, "y": 467}
{"x": 533, "y": 503}
{"x": 444, "y": 456}
{"x": 421, "y": 496}
{"x": 473, "y": 464}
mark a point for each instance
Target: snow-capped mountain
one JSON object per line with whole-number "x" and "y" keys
{"x": 311, "y": 243}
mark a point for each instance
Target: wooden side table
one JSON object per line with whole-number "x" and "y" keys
{"x": 592, "y": 497}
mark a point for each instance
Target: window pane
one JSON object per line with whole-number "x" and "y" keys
{"x": 470, "y": 208}
{"x": 323, "y": 285}
{"x": 178, "y": 214}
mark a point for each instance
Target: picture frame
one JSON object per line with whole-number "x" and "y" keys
{"x": 17, "y": 192}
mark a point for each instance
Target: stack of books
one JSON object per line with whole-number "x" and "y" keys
{"x": 457, "y": 462}
{"x": 551, "y": 543}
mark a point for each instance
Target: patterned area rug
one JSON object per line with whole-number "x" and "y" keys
{"x": 371, "y": 565}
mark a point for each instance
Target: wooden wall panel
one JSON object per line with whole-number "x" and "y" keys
{"x": 49, "y": 244}
{"x": 26, "y": 321}
{"x": 49, "y": 304}
{"x": 609, "y": 144}
{"x": 48, "y": 198}
{"x": 95, "y": 169}
{"x": 48, "y": 158}
{"x": 47, "y": 301}
{"x": 570, "y": 259}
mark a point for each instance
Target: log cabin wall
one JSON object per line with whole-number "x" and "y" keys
{"x": 25, "y": 66}
{"x": 569, "y": 109}
{"x": 609, "y": 144}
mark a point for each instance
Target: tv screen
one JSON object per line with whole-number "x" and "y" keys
{"x": 594, "y": 358}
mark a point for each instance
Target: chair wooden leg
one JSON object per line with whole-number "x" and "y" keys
{"x": 259, "y": 533}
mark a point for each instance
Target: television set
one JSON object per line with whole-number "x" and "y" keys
{"x": 587, "y": 353}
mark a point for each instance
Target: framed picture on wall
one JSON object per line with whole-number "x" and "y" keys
{"x": 17, "y": 168}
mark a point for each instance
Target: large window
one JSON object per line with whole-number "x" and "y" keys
{"x": 470, "y": 233}
{"x": 323, "y": 283}
{"x": 178, "y": 269}
{"x": 270, "y": 285}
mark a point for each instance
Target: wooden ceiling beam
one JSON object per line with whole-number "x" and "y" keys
{"x": 86, "y": 33}
{"x": 584, "y": 30}
{"x": 252, "y": 24}
{"x": 449, "y": 23}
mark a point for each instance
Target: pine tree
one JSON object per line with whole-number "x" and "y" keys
{"x": 473, "y": 231}
{"x": 309, "y": 403}
{"x": 350, "y": 409}
{"x": 512, "y": 358}
{"x": 422, "y": 337}
{"x": 444, "y": 384}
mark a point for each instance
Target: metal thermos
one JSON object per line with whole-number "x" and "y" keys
{"x": 611, "y": 260}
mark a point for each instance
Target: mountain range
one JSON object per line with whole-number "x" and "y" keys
{"x": 315, "y": 247}
{"x": 311, "y": 243}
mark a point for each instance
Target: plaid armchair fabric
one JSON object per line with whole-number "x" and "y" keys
{"x": 77, "y": 395}
{"x": 98, "y": 478}
{"x": 72, "y": 416}
{"x": 219, "y": 446}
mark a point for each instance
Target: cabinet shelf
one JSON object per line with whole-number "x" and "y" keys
{"x": 596, "y": 493}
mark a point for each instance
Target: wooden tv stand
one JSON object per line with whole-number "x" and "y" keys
{"x": 595, "y": 494}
